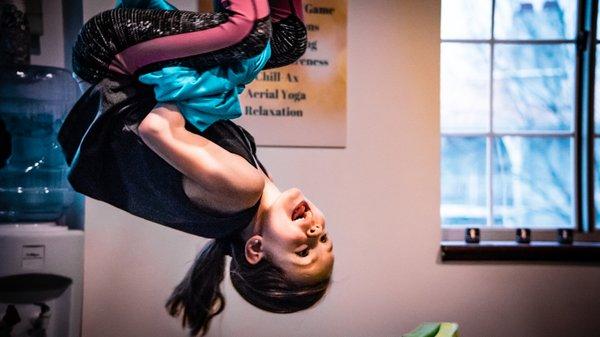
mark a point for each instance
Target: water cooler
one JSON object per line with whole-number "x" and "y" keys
{"x": 41, "y": 226}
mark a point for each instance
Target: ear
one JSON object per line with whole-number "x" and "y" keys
{"x": 253, "y": 249}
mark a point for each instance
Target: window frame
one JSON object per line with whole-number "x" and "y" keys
{"x": 587, "y": 14}
{"x": 498, "y": 243}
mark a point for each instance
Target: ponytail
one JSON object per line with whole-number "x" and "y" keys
{"x": 198, "y": 298}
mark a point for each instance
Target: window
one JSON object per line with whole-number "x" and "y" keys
{"x": 516, "y": 114}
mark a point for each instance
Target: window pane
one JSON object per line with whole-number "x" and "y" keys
{"x": 464, "y": 197}
{"x": 597, "y": 92}
{"x": 465, "y": 87}
{"x": 535, "y": 19}
{"x": 597, "y": 180}
{"x": 533, "y": 182}
{"x": 466, "y": 19}
{"x": 534, "y": 87}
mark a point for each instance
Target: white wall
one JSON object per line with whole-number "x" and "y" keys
{"x": 51, "y": 42}
{"x": 381, "y": 198}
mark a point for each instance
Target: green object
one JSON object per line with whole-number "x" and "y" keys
{"x": 424, "y": 330}
{"x": 448, "y": 330}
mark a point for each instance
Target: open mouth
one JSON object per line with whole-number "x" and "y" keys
{"x": 300, "y": 211}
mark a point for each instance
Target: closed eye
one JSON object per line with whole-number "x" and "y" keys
{"x": 303, "y": 253}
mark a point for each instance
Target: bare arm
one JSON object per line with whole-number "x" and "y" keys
{"x": 222, "y": 177}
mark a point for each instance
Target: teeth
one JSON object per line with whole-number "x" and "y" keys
{"x": 300, "y": 212}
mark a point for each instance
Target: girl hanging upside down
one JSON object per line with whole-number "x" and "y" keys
{"x": 153, "y": 135}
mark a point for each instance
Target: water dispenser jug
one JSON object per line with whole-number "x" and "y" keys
{"x": 33, "y": 177}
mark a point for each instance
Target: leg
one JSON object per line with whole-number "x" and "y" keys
{"x": 196, "y": 39}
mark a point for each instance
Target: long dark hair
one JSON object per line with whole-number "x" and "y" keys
{"x": 198, "y": 298}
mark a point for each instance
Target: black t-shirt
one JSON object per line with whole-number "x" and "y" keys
{"x": 110, "y": 163}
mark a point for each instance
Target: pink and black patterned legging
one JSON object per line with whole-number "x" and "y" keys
{"x": 132, "y": 41}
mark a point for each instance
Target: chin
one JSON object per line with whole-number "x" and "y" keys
{"x": 293, "y": 198}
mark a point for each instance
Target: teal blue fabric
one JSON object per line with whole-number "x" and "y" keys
{"x": 206, "y": 97}
{"x": 202, "y": 97}
{"x": 149, "y": 4}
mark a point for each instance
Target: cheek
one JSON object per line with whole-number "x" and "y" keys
{"x": 277, "y": 248}
{"x": 289, "y": 236}
{"x": 274, "y": 229}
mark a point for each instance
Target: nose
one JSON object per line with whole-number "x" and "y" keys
{"x": 314, "y": 230}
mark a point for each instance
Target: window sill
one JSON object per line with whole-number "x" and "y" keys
{"x": 511, "y": 251}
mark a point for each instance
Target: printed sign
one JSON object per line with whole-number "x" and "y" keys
{"x": 304, "y": 104}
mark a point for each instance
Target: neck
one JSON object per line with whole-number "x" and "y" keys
{"x": 269, "y": 195}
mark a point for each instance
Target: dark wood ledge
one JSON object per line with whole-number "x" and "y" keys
{"x": 511, "y": 251}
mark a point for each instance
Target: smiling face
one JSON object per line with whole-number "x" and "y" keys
{"x": 294, "y": 237}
